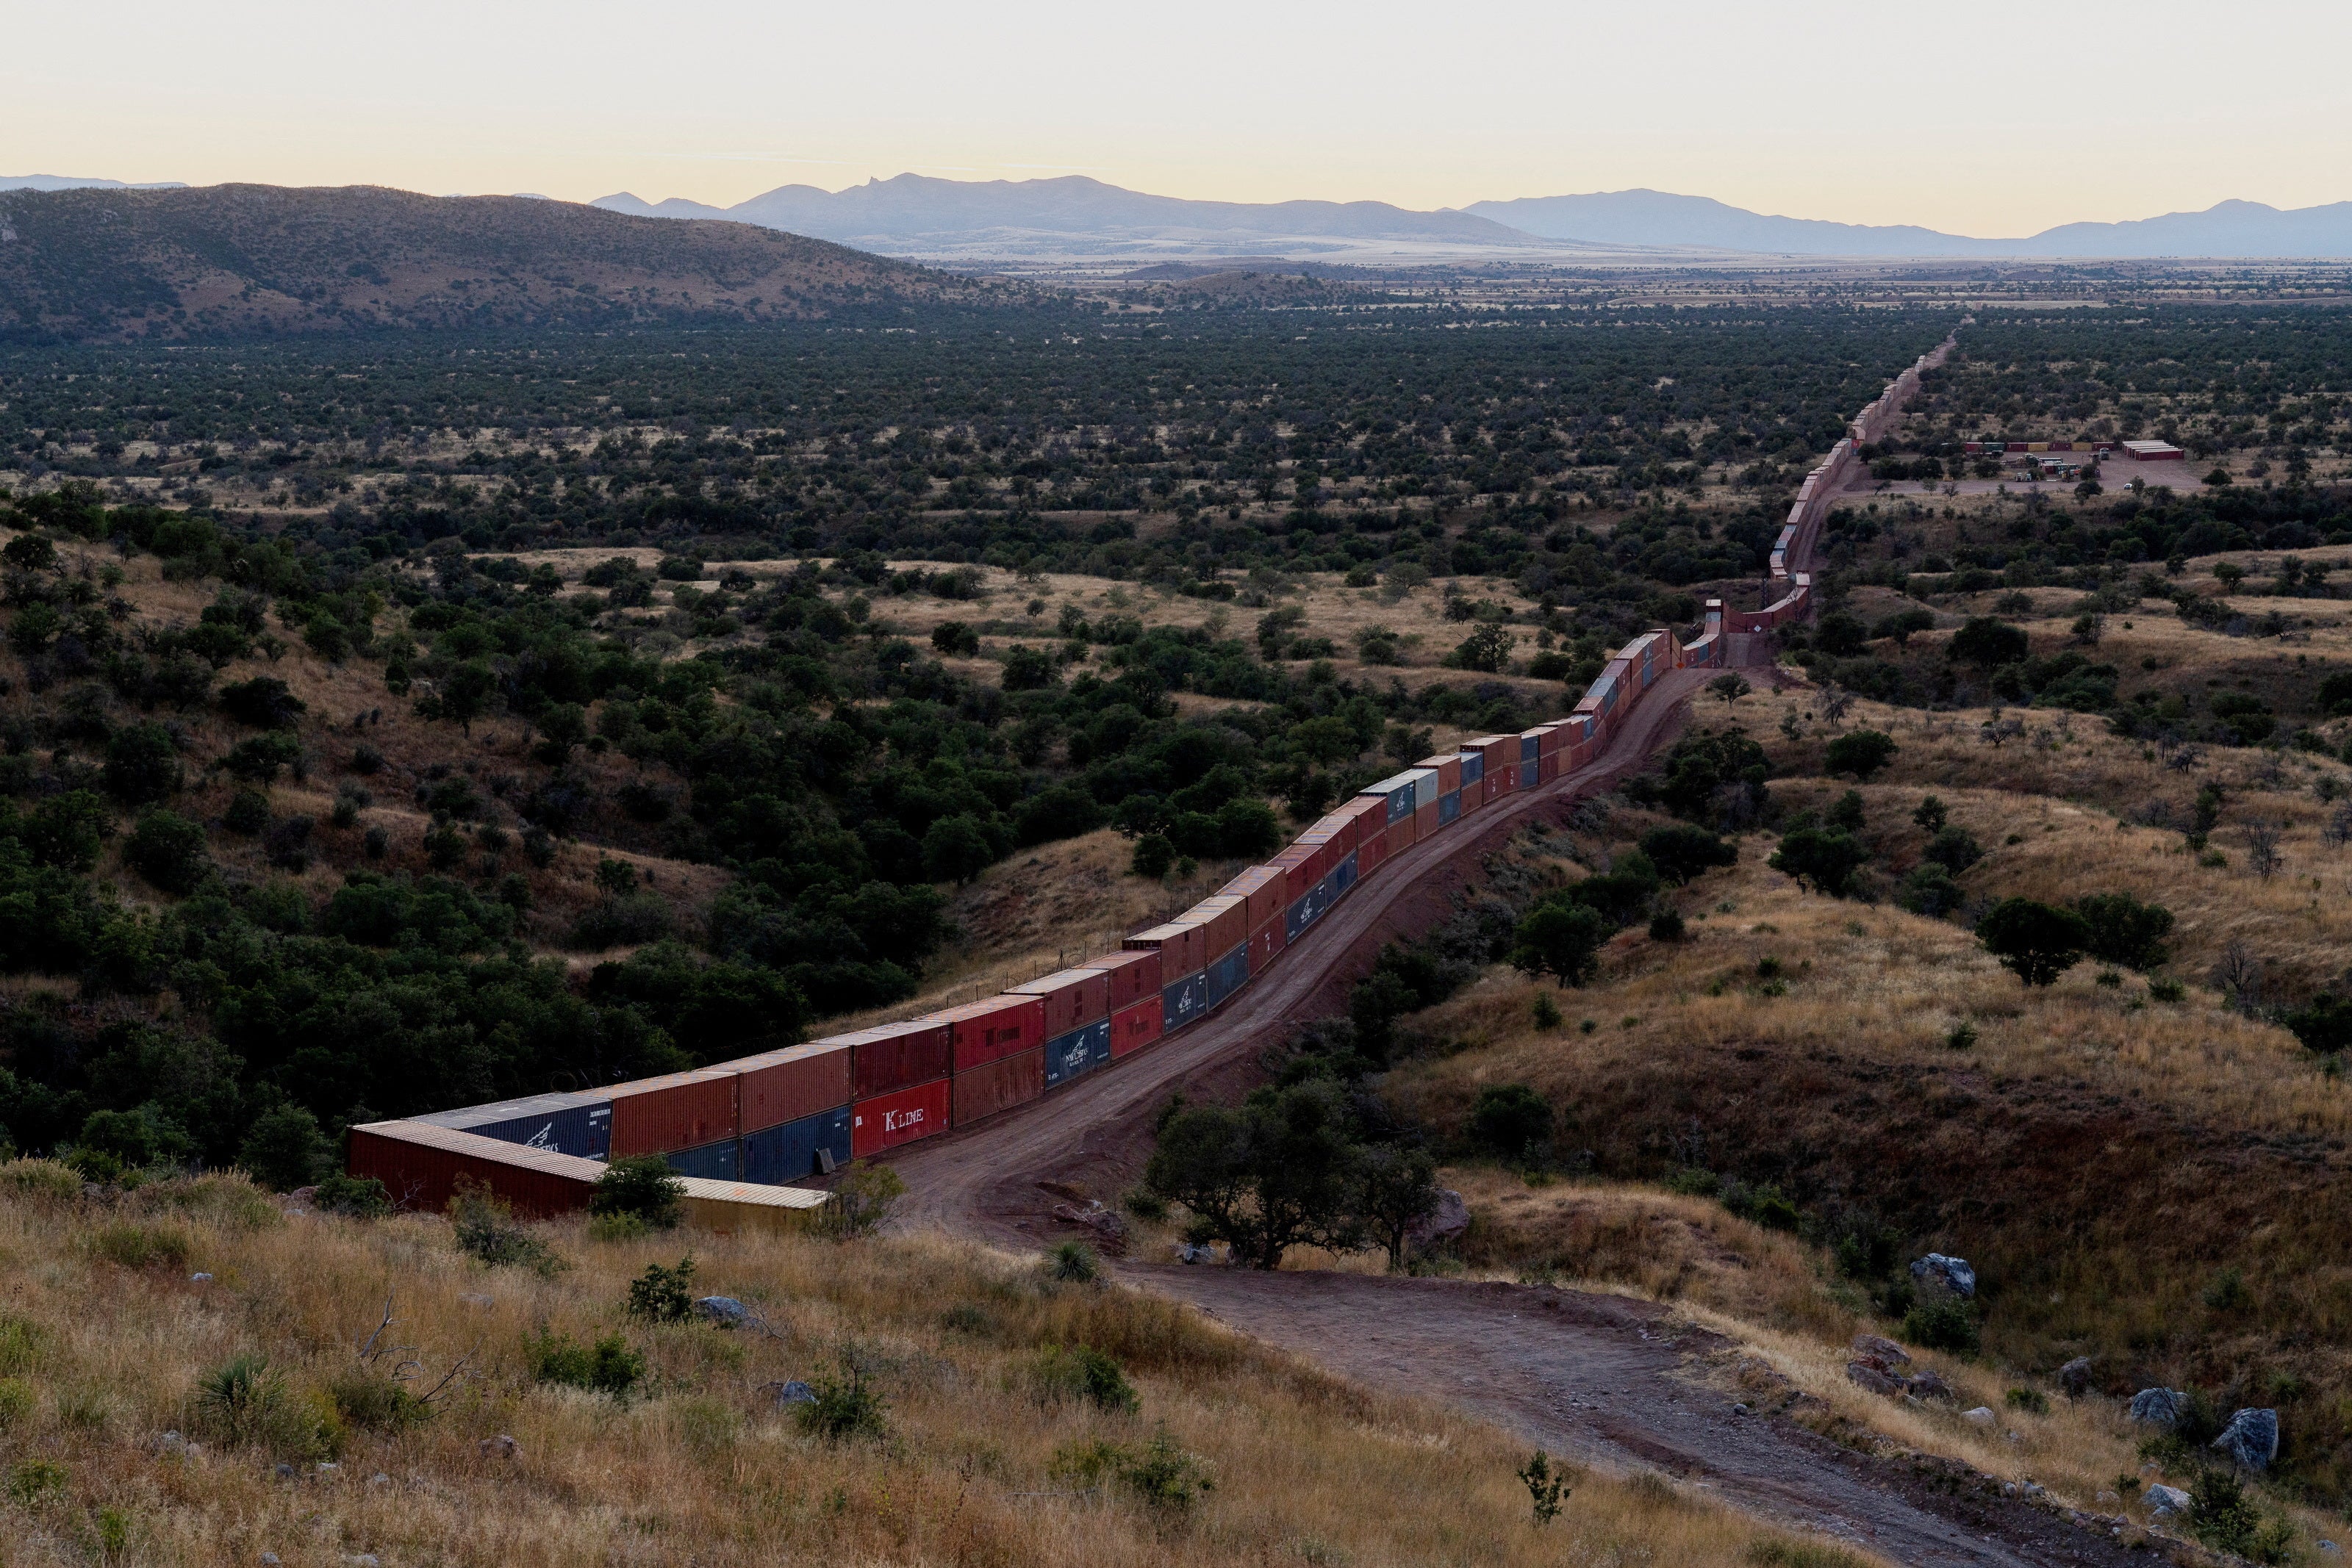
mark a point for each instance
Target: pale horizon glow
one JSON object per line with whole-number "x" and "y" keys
{"x": 1996, "y": 120}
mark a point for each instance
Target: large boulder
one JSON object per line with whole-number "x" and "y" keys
{"x": 1939, "y": 1275}
{"x": 2252, "y": 1438}
{"x": 2163, "y": 1501}
{"x": 1862, "y": 1375}
{"x": 2158, "y": 1407}
{"x": 1880, "y": 1351}
{"x": 724, "y": 1310}
{"x": 2074, "y": 1377}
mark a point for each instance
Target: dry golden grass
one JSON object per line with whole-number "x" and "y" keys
{"x": 701, "y": 1466}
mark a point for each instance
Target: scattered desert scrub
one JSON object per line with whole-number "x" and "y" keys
{"x": 990, "y": 1393}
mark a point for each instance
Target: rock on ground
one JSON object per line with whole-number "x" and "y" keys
{"x": 2163, "y": 1501}
{"x": 1939, "y": 1272}
{"x": 2252, "y": 1438}
{"x": 2157, "y": 1406}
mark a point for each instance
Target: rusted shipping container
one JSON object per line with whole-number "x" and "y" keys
{"x": 1426, "y": 822}
{"x": 1261, "y": 886}
{"x": 1266, "y": 943}
{"x": 901, "y": 1116}
{"x": 1403, "y": 833}
{"x": 1300, "y": 870}
{"x": 1133, "y": 1027}
{"x": 679, "y": 1111}
{"x": 894, "y": 1056}
{"x": 1182, "y": 946}
{"x": 421, "y": 1167}
{"x": 720, "y": 1161}
{"x": 816, "y": 1144}
{"x": 1004, "y": 1025}
{"x": 781, "y": 1086}
{"x": 1080, "y": 1051}
{"x": 998, "y": 1085}
{"x": 1070, "y": 996}
{"x": 1448, "y": 769}
{"x": 1371, "y": 851}
{"x": 1224, "y": 921}
{"x": 1338, "y": 828}
{"x": 1133, "y": 975}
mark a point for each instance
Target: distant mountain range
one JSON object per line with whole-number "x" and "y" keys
{"x": 240, "y": 260}
{"x": 73, "y": 182}
{"x": 916, "y": 216}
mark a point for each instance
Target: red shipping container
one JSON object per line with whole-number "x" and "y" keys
{"x": 1474, "y": 795}
{"x": 1449, "y": 772}
{"x": 1340, "y": 827}
{"x": 420, "y": 1166}
{"x": 1262, "y": 885}
{"x": 1266, "y": 943}
{"x": 992, "y": 1027}
{"x": 1371, "y": 851}
{"x": 1072, "y": 997}
{"x": 1500, "y": 750}
{"x": 894, "y": 1055}
{"x": 780, "y": 1086}
{"x": 1403, "y": 833}
{"x": 994, "y": 1086}
{"x": 898, "y": 1117}
{"x": 1299, "y": 872}
{"x": 1132, "y": 976}
{"x": 1224, "y": 918}
{"x": 1424, "y": 821}
{"x": 1182, "y": 946}
{"x": 1550, "y": 738}
{"x": 679, "y": 1111}
{"x": 1133, "y": 1027}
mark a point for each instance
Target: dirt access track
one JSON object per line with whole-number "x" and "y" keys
{"x": 1608, "y": 1379}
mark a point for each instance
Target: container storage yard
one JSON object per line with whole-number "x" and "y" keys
{"x": 744, "y": 1133}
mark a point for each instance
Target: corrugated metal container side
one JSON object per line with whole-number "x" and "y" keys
{"x": 732, "y": 1206}
{"x": 1549, "y": 738}
{"x": 1003, "y": 1025}
{"x": 781, "y": 1086}
{"x": 420, "y": 1166}
{"x": 1371, "y": 816}
{"x": 1224, "y": 921}
{"x": 1134, "y": 976}
{"x": 1002, "y": 1084}
{"x": 1183, "y": 1001}
{"x": 1372, "y": 851}
{"x": 583, "y": 1127}
{"x": 1228, "y": 975}
{"x": 721, "y": 1160}
{"x": 1448, "y": 769}
{"x": 1471, "y": 766}
{"x": 1261, "y": 885}
{"x": 680, "y": 1110}
{"x": 892, "y": 1056}
{"x": 1343, "y": 876}
{"x": 1304, "y": 911}
{"x": 1182, "y": 947}
{"x": 1072, "y": 997}
{"x": 1133, "y": 1027}
{"x": 1425, "y": 787}
{"x": 1080, "y": 1051}
{"x": 1403, "y": 833}
{"x": 1426, "y": 822}
{"x": 1266, "y": 943}
{"x": 1300, "y": 870}
{"x": 1474, "y": 795}
{"x": 1449, "y": 807}
{"x": 1340, "y": 827}
{"x": 901, "y": 1116}
{"x": 790, "y": 1150}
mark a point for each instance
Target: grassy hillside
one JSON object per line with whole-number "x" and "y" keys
{"x": 196, "y": 1308}
{"x": 259, "y": 260}
{"x": 2147, "y": 1168}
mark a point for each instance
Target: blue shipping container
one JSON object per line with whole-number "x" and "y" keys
{"x": 1080, "y": 1051}
{"x": 716, "y": 1162}
{"x": 1449, "y": 806}
{"x": 1183, "y": 1001}
{"x": 1473, "y": 767}
{"x": 1341, "y": 878}
{"x": 1306, "y": 910}
{"x": 585, "y": 1130}
{"x": 1228, "y": 975}
{"x": 775, "y": 1155}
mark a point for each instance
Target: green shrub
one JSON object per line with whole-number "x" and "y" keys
{"x": 662, "y": 1295}
{"x": 1510, "y": 1120}
{"x": 847, "y": 1404}
{"x": 2032, "y": 1401}
{"x": 17, "y": 1402}
{"x": 608, "y": 1366}
{"x": 361, "y": 1197}
{"x": 1073, "y": 1262}
{"x": 486, "y": 1230}
{"x": 1762, "y": 1204}
{"x": 168, "y": 853}
{"x": 245, "y": 1403}
{"x": 1083, "y": 1375}
{"x": 143, "y": 1247}
{"x": 1942, "y": 1325}
{"x": 643, "y": 1185}
{"x": 376, "y": 1403}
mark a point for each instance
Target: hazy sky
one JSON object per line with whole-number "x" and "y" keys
{"x": 1994, "y": 118}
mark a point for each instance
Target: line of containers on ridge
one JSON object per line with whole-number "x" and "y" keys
{"x": 791, "y": 1115}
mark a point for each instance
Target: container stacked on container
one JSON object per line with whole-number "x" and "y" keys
{"x": 789, "y": 1114}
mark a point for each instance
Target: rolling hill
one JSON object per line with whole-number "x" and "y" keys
{"x": 233, "y": 260}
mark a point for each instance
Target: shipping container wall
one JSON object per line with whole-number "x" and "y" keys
{"x": 815, "y": 1145}
{"x": 1080, "y": 1051}
{"x": 1002, "y": 1084}
{"x": 1183, "y": 1002}
{"x": 1371, "y": 851}
{"x": 424, "y": 1176}
{"x": 1403, "y": 833}
{"x": 898, "y": 1055}
{"x": 1261, "y": 888}
{"x": 720, "y": 1161}
{"x": 1133, "y": 975}
{"x": 1228, "y": 975}
{"x": 1472, "y": 768}
{"x": 1133, "y": 1027}
{"x": 781, "y": 1086}
{"x": 1224, "y": 921}
{"x": 1268, "y": 942}
{"x": 1182, "y": 949}
{"x": 681, "y": 1111}
{"x": 1071, "y": 997}
{"x": 901, "y": 1116}
{"x": 1425, "y": 821}
{"x": 1342, "y": 877}
{"x": 1449, "y": 807}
